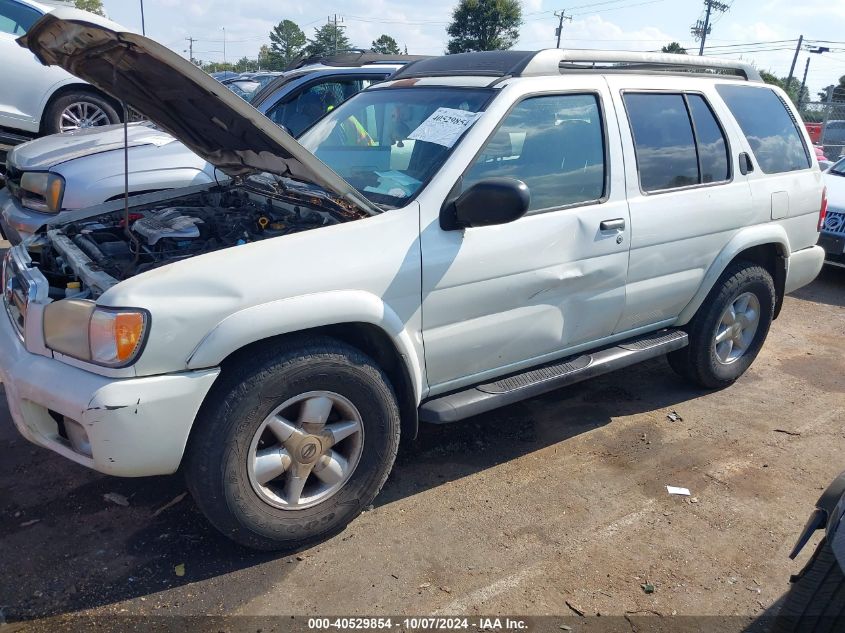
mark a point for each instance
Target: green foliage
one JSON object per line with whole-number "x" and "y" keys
{"x": 92, "y": 6}
{"x": 327, "y": 40}
{"x": 791, "y": 88}
{"x": 215, "y": 67}
{"x": 484, "y": 25}
{"x": 675, "y": 48}
{"x": 387, "y": 45}
{"x": 838, "y": 91}
{"x": 287, "y": 42}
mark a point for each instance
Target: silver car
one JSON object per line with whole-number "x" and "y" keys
{"x": 56, "y": 174}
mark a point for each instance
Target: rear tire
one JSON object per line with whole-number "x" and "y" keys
{"x": 739, "y": 312}
{"x": 260, "y": 410}
{"x": 815, "y": 602}
{"x": 91, "y": 109}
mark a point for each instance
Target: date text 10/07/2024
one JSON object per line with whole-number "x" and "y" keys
{"x": 419, "y": 624}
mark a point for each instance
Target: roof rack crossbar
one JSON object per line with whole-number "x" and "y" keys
{"x": 553, "y": 61}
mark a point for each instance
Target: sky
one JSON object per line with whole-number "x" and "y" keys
{"x": 638, "y": 25}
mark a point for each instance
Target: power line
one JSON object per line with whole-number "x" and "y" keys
{"x": 701, "y": 29}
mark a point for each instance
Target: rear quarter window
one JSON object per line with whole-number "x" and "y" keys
{"x": 769, "y": 127}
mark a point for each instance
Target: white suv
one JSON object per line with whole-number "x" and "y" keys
{"x": 479, "y": 229}
{"x": 38, "y": 100}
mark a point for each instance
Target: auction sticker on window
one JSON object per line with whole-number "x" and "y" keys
{"x": 445, "y": 126}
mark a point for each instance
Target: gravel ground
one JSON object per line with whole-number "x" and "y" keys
{"x": 549, "y": 506}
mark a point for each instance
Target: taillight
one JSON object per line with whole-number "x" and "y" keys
{"x": 823, "y": 209}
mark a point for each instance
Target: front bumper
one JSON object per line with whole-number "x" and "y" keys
{"x": 834, "y": 248}
{"x": 126, "y": 427}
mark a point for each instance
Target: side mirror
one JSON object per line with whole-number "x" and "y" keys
{"x": 489, "y": 202}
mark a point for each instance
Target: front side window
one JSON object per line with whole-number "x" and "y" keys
{"x": 388, "y": 142}
{"x": 770, "y": 129}
{"x": 15, "y": 18}
{"x": 554, "y": 144}
{"x": 302, "y": 110}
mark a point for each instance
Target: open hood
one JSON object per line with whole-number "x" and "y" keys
{"x": 206, "y": 116}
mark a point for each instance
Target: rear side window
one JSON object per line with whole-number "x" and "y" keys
{"x": 554, "y": 144}
{"x": 663, "y": 140}
{"x": 769, "y": 127}
{"x": 712, "y": 148}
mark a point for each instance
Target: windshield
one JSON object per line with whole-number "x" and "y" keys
{"x": 838, "y": 169}
{"x": 388, "y": 143}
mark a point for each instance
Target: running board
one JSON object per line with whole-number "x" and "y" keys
{"x": 486, "y": 397}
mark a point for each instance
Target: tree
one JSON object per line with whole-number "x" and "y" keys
{"x": 264, "y": 59}
{"x": 792, "y": 87}
{"x": 484, "y": 25}
{"x": 92, "y": 6}
{"x": 838, "y": 91}
{"x": 328, "y": 39}
{"x": 386, "y": 45}
{"x": 287, "y": 41}
{"x": 675, "y": 48}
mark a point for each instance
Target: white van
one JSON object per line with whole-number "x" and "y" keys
{"x": 477, "y": 230}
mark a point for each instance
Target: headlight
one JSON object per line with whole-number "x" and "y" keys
{"x": 42, "y": 191}
{"x": 103, "y": 336}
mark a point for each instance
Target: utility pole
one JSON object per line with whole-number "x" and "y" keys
{"x": 559, "y": 30}
{"x": 701, "y": 29}
{"x": 143, "y": 29}
{"x": 803, "y": 82}
{"x": 224, "y": 45}
{"x": 794, "y": 60}
{"x": 191, "y": 41}
{"x": 336, "y": 27}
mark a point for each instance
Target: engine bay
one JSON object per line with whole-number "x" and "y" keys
{"x": 86, "y": 257}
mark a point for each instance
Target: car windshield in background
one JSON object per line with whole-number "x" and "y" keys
{"x": 388, "y": 142}
{"x": 838, "y": 169}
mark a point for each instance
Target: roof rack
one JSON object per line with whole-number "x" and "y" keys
{"x": 556, "y": 61}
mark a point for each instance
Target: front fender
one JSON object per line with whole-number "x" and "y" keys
{"x": 295, "y": 314}
{"x": 746, "y": 238}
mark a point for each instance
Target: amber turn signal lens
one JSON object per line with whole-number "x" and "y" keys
{"x": 128, "y": 330}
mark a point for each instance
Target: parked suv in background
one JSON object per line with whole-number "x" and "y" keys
{"x": 35, "y": 99}
{"x": 832, "y": 238}
{"x": 66, "y": 172}
{"x": 477, "y": 230}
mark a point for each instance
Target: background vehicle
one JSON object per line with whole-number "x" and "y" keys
{"x": 816, "y": 598}
{"x": 833, "y": 139}
{"x": 37, "y": 99}
{"x": 89, "y": 164}
{"x": 247, "y": 85}
{"x": 440, "y": 245}
{"x": 832, "y": 237}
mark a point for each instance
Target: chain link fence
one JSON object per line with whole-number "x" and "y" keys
{"x": 825, "y": 121}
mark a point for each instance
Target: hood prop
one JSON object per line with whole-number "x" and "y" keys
{"x": 129, "y": 234}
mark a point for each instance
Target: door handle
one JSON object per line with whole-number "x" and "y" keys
{"x": 613, "y": 225}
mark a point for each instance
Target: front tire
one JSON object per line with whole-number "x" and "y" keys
{"x": 293, "y": 443}
{"x": 729, "y": 329}
{"x": 815, "y": 602}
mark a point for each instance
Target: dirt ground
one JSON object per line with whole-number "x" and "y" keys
{"x": 549, "y": 506}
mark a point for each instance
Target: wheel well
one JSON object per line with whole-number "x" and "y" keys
{"x": 374, "y": 342}
{"x": 117, "y": 105}
{"x": 772, "y": 258}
